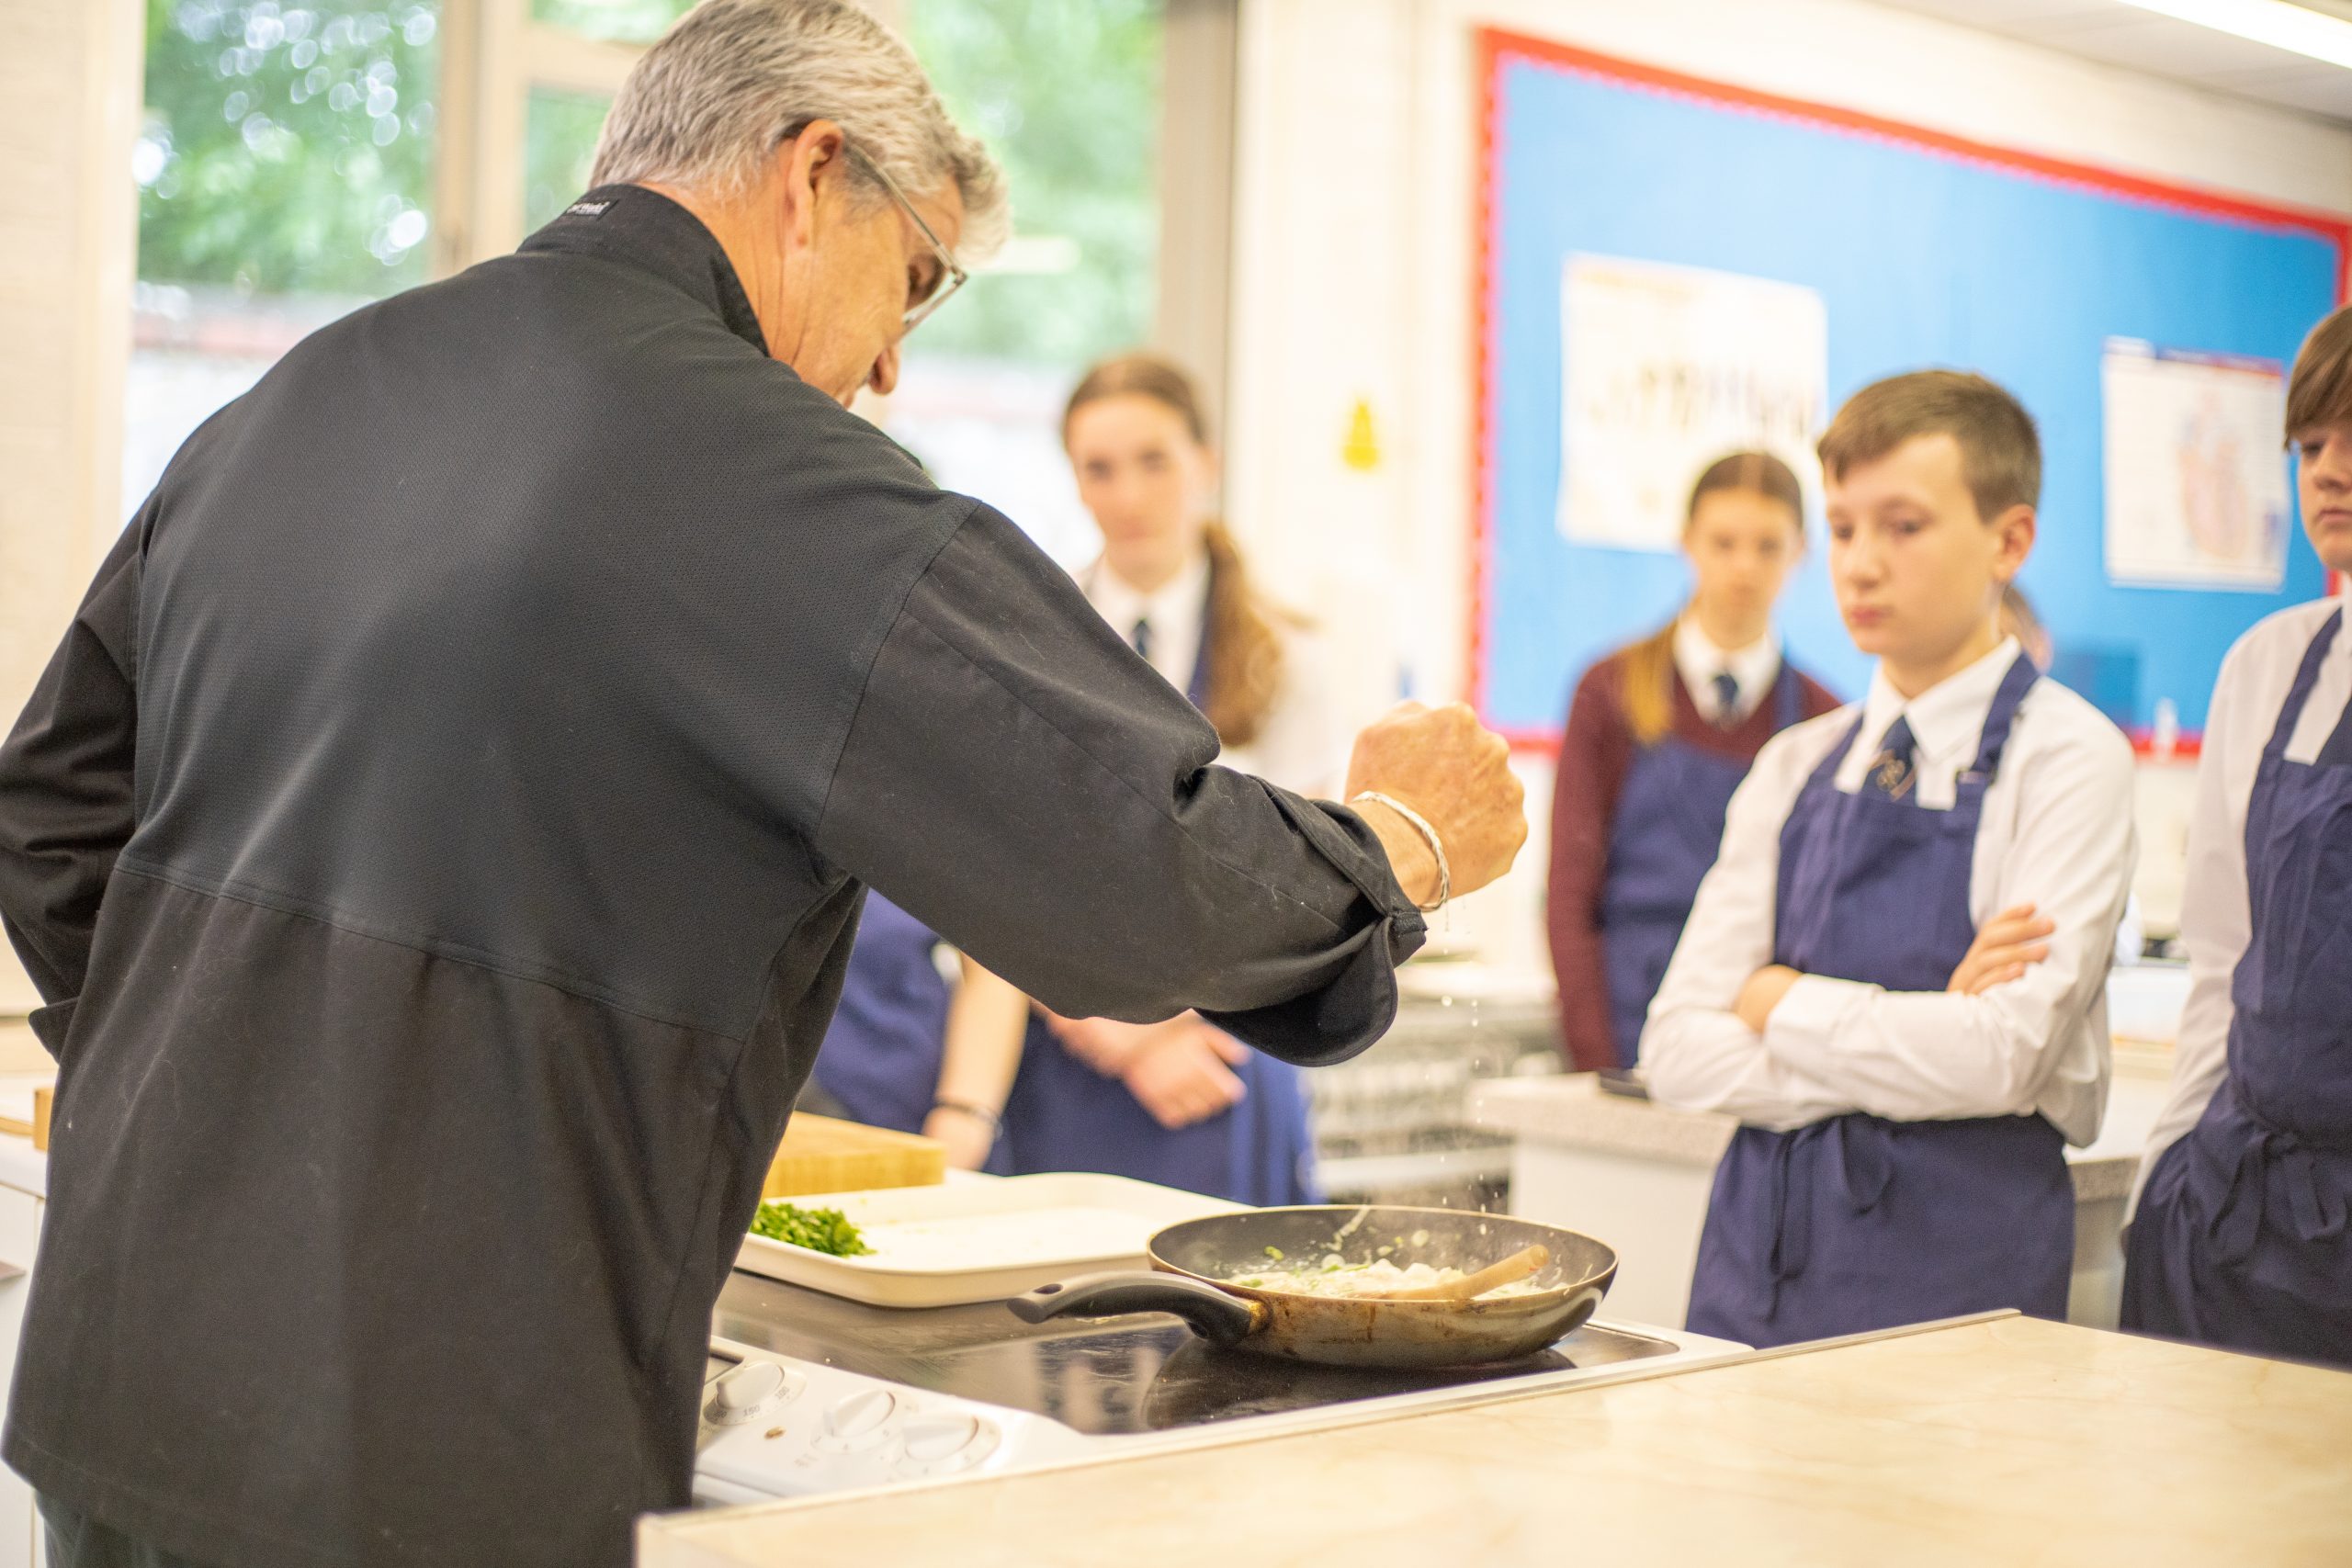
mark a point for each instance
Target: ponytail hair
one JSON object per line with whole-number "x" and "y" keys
{"x": 1649, "y": 663}
{"x": 1240, "y": 635}
{"x": 1649, "y": 686}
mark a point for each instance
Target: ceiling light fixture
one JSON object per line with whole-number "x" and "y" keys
{"x": 2295, "y": 28}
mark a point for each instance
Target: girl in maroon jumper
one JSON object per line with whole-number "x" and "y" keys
{"x": 1658, "y": 736}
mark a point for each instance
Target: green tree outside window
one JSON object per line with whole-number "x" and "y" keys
{"x": 288, "y": 146}
{"x": 620, "y": 21}
{"x": 1067, "y": 93}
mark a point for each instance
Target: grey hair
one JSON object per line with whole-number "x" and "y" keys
{"x": 705, "y": 107}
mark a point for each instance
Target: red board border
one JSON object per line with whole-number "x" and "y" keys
{"x": 1498, "y": 47}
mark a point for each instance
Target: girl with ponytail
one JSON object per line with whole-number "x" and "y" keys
{"x": 1658, "y": 736}
{"x": 1180, "y": 1103}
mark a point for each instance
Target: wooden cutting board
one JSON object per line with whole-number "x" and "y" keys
{"x": 820, "y": 1154}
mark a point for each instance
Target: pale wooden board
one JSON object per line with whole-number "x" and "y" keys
{"x": 820, "y": 1154}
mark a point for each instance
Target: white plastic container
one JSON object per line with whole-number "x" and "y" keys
{"x": 980, "y": 1241}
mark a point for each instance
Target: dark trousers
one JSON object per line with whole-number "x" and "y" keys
{"x": 77, "y": 1540}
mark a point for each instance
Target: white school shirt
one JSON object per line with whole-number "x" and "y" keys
{"x": 1304, "y": 744}
{"x": 2215, "y": 925}
{"x": 1698, "y": 661}
{"x": 2056, "y": 832}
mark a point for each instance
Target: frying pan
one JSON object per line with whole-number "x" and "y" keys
{"x": 1194, "y": 1262}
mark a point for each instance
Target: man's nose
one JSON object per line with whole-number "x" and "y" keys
{"x": 884, "y": 377}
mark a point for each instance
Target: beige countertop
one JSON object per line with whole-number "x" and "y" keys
{"x": 1572, "y": 1109}
{"x": 2004, "y": 1441}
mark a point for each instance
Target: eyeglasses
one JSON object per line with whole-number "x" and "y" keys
{"x": 943, "y": 283}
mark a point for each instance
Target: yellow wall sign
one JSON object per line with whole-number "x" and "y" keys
{"x": 1361, "y": 451}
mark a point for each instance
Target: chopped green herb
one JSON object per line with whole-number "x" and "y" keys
{"x": 819, "y": 1230}
{"x": 1275, "y": 1253}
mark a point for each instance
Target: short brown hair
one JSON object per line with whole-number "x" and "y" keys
{"x": 1649, "y": 675}
{"x": 2000, "y": 455}
{"x": 1749, "y": 473}
{"x": 2320, "y": 391}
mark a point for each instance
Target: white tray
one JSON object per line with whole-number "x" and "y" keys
{"x": 980, "y": 1241}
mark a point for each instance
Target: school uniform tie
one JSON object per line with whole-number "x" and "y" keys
{"x": 2337, "y": 751}
{"x": 1895, "y": 769}
{"x": 1726, "y": 687}
{"x": 1140, "y": 638}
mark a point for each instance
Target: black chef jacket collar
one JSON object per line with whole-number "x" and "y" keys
{"x": 644, "y": 227}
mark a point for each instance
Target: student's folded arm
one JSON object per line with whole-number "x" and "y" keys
{"x": 1929, "y": 1055}
{"x": 1696, "y": 1054}
{"x": 2215, "y": 925}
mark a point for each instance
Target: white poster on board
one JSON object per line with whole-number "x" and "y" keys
{"x": 1666, "y": 368}
{"x": 2196, "y": 469}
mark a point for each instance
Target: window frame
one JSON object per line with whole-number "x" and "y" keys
{"x": 494, "y": 56}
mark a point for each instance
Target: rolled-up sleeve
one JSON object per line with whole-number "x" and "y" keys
{"x": 66, "y": 801}
{"x": 1020, "y": 782}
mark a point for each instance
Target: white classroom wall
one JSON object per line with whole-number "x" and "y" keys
{"x": 1355, "y": 191}
{"x": 69, "y": 112}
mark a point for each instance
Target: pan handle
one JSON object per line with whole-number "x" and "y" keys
{"x": 1216, "y": 1315}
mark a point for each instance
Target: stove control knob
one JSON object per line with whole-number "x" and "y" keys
{"x": 941, "y": 1445}
{"x": 861, "y": 1414}
{"x": 940, "y": 1437}
{"x": 741, "y": 1393}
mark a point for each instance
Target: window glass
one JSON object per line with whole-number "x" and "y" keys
{"x": 285, "y": 172}
{"x": 1067, "y": 93}
{"x": 560, "y": 146}
{"x": 622, "y": 21}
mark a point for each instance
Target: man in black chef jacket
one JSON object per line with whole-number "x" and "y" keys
{"x": 440, "y": 834}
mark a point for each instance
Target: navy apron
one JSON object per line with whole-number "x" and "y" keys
{"x": 1667, "y": 829}
{"x": 880, "y": 1060}
{"x": 1063, "y": 1115}
{"x": 2241, "y": 1240}
{"x": 1857, "y": 1222}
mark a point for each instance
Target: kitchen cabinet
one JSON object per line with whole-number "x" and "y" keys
{"x": 20, "y": 1214}
{"x": 1638, "y": 1176}
{"x": 1394, "y": 1124}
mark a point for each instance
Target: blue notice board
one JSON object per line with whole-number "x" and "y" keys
{"x": 1927, "y": 251}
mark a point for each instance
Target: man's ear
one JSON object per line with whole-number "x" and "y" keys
{"x": 800, "y": 163}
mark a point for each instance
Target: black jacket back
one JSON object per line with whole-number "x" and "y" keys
{"x": 440, "y": 835}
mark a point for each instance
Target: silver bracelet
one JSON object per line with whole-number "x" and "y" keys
{"x": 980, "y": 1113}
{"x": 1421, "y": 825}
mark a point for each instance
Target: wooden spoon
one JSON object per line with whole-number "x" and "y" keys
{"x": 1517, "y": 1265}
